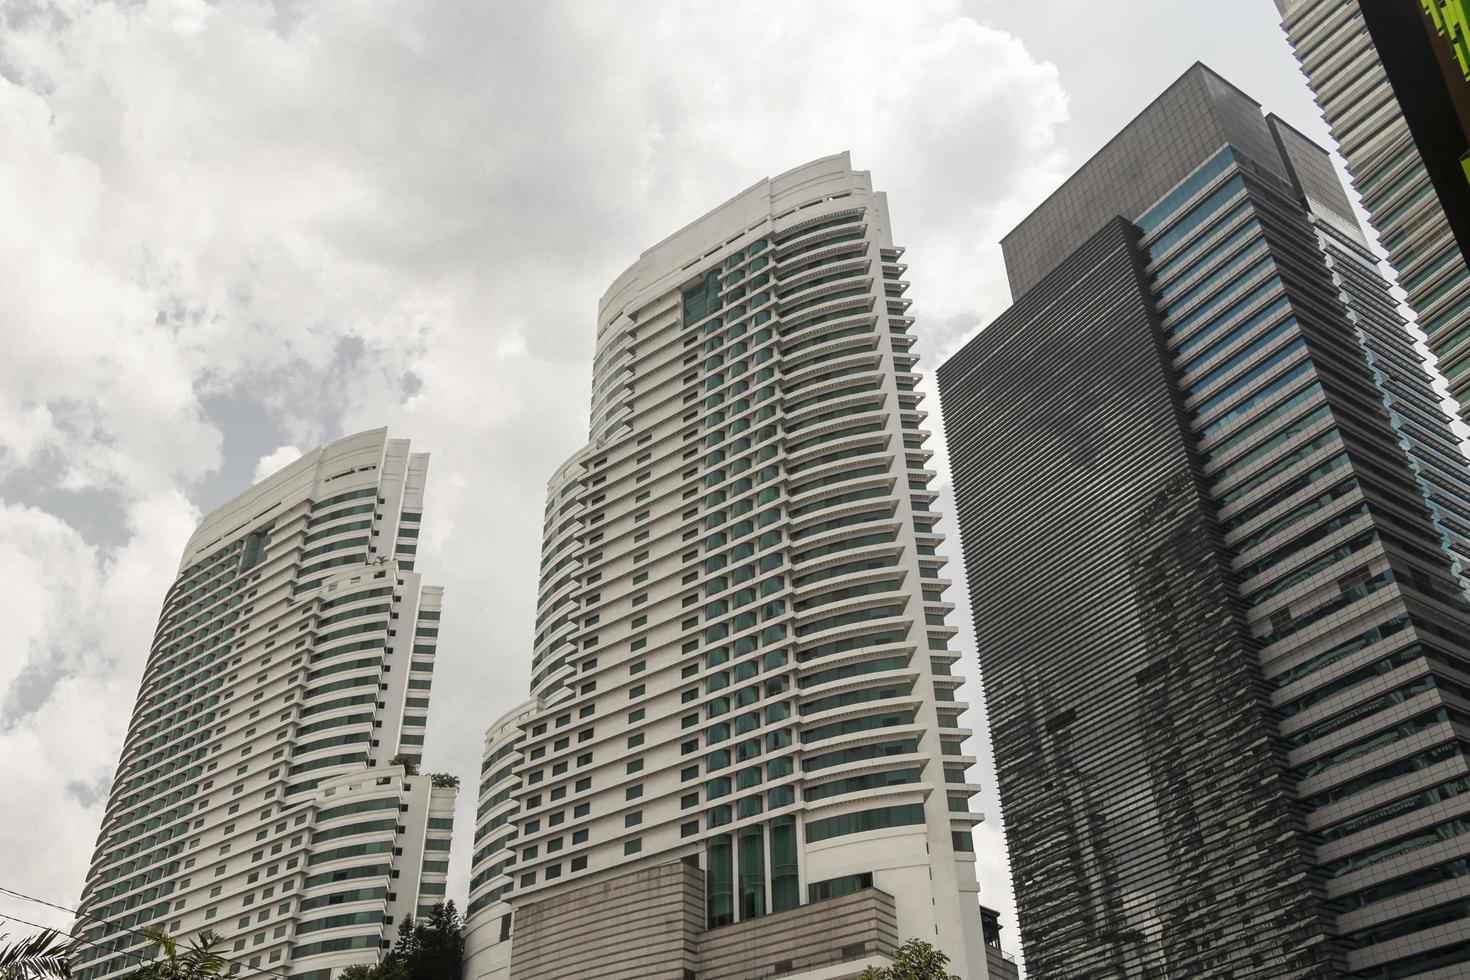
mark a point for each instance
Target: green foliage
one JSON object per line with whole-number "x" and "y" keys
{"x": 914, "y": 960}
{"x": 389, "y": 969}
{"x": 443, "y": 779}
{"x": 198, "y": 962}
{"x": 410, "y": 768}
{"x": 431, "y": 948}
{"x": 46, "y": 954}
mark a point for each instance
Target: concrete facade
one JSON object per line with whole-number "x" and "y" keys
{"x": 254, "y": 796}
{"x": 741, "y": 655}
{"x": 1002, "y": 965}
{"x": 650, "y": 925}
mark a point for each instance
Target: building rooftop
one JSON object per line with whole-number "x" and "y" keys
{"x": 1184, "y": 126}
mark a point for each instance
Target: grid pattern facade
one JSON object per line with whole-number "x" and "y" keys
{"x": 254, "y": 797}
{"x": 741, "y": 651}
{"x": 1306, "y": 544}
{"x": 1337, "y": 54}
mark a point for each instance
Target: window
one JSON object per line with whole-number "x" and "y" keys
{"x": 864, "y": 820}
{"x": 837, "y": 887}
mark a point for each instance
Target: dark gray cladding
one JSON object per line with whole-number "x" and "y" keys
{"x": 1215, "y": 528}
{"x": 1193, "y": 118}
{"x": 1150, "y": 830}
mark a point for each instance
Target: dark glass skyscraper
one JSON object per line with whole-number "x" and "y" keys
{"x": 1214, "y": 525}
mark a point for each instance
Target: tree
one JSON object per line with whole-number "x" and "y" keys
{"x": 46, "y": 954}
{"x": 431, "y": 948}
{"x": 406, "y": 947}
{"x": 389, "y": 969}
{"x": 198, "y": 962}
{"x": 443, "y": 779}
{"x": 914, "y": 960}
{"x": 410, "y": 768}
{"x": 441, "y": 945}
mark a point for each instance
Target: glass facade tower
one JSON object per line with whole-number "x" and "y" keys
{"x": 741, "y": 658}
{"x": 1214, "y": 527}
{"x": 257, "y": 796}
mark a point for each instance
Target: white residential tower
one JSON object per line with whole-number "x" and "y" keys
{"x": 257, "y": 796}
{"x": 742, "y": 746}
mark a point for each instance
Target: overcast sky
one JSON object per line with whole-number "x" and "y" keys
{"x": 232, "y": 231}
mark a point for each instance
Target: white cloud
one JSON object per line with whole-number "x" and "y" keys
{"x": 78, "y": 625}
{"x": 403, "y": 213}
{"x": 275, "y": 462}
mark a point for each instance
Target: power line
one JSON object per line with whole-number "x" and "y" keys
{"x": 137, "y": 932}
{"x": 88, "y": 942}
{"x": 15, "y": 918}
{"x": 117, "y": 925}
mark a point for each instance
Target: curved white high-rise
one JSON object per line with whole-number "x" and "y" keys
{"x": 743, "y": 739}
{"x": 256, "y": 796}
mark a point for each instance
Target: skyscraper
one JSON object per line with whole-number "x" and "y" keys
{"x": 1398, "y": 104}
{"x": 257, "y": 795}
{"x": 742, "y": 745}
{"x": 1213, "y": 524}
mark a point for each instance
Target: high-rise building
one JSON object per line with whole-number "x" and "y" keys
{"x": 260, "y": 794}
{"x": 1397, "y": 99}
{"x": 1213, "y": 524}
{"x": 742, "y": 745}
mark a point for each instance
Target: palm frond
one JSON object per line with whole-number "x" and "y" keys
{"x": 201, "y": 958}
{"x": 45, "y": 954}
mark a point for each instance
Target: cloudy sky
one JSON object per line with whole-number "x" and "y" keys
{"x": 231, "y": 231}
